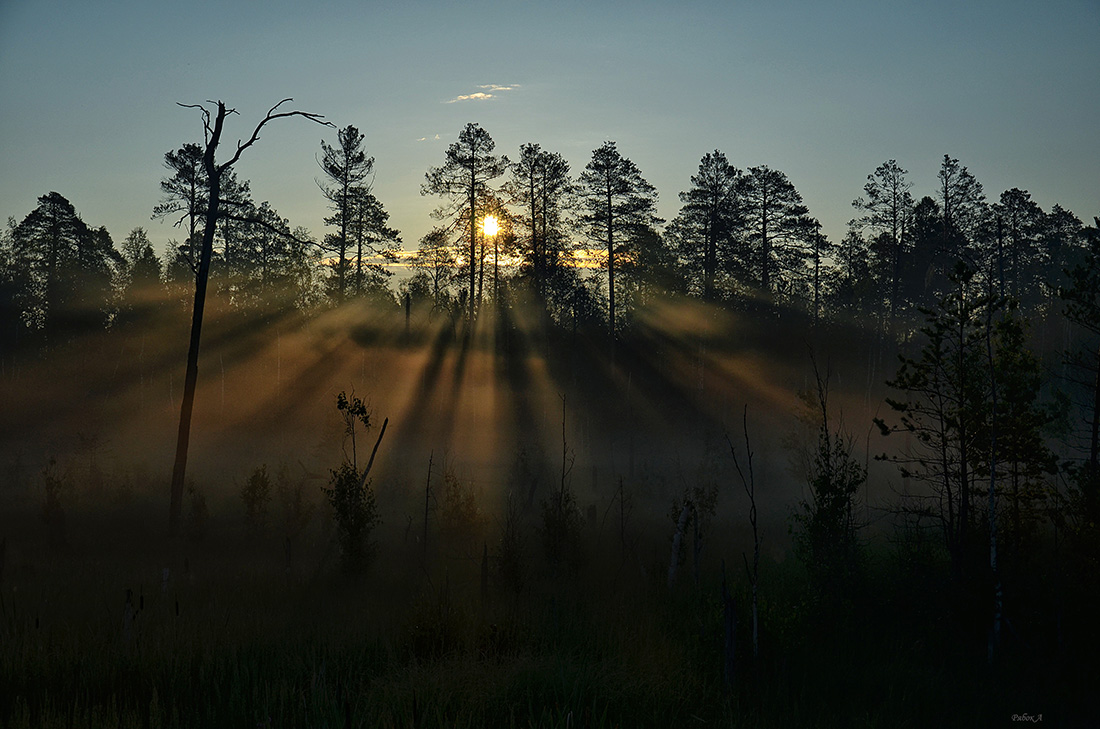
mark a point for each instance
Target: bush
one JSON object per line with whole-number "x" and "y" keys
{"x": 356, "y": 513}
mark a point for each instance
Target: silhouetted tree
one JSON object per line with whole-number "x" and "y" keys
{"x": 1062, "y": 244}
{"x": 539, "y": 186}
{"x": 1082, "y": 307}
{"x": 16, "y": 290}
{"x": 710, "y": 219}
{"x": 213, "y": 122}
{"x": 71, "y": 269}
{"x": 435, "y": 260}
{"x": 922, "y": 281}
{"x": 853, "y": 289}
{"x": 649, "y": 269}
{"x": 1018, "y": 259}
{"x": 617, "y": 206}
{"x": 142, "y": 281}
{"x": 819, "y": 252}
{"x": 962, "y": 206}
{"x": 346, "y": 166}
{"x": 143, "y": 267}
{"x": 945, "y": 392}
{"x": 1024, "y": 462}
{"x": 464, "y": 180}
{"x": 886, "y": 210}
{"x": 373, "y": 240}
{"x": 826, "y": 528}
{"x": 774, "y": 219}
{"x": 237, "y": 218}
{"x": 186, "y": 194}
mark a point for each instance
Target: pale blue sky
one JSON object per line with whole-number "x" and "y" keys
{"x": 824, "y": 91}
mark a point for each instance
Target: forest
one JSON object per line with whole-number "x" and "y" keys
{"x": 561, "y": 464}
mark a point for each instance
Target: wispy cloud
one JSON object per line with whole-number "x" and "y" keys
{"x": 479, "y": 96}
{"x": 491, "y": 92}
{"x": 435, "y": 138}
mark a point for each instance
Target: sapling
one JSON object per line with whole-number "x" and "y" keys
{"x": 749, "y": 483}
{"x": 352, "y": 499}
{"x": 561, "y": 518}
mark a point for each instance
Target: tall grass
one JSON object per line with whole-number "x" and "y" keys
{"x": 238, "y": 635}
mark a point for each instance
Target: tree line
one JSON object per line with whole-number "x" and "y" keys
{"x": 588, "y": 246}
{"x": 957, "y": 283}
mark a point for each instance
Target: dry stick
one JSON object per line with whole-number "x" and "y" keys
{"x": 565, "y": 468}
{"x": 750, "y": 489}
{"x": 427, "y": 496}
{"x": 674, "y": 560}
{"x": 366, "y": 471}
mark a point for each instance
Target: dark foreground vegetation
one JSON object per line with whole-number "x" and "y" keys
{"x": 239, "y": 638}
{"x": 528, "y": 583}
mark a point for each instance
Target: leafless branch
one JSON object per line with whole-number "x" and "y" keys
{"x": 206, "y": 130}
{"x": 222, "y": 215}
{"x": 272, "y": 115}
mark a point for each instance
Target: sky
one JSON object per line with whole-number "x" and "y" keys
{"x": 824, "y": 91}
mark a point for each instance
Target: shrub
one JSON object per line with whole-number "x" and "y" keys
{"x": 356, "y": 513}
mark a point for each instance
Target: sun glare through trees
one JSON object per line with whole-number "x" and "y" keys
{"x": 550, "y": 427}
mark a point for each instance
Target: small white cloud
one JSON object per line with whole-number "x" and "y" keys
{"x": 491, "y": 91}
{"x": 479, "y": 96}
{"x": 436, "y": 138}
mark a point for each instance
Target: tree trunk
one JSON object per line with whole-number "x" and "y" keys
{"x": 473, "y": 240}
{"x": 191, "y": 376}
{"x": 1092, "y": 476}
{"x": 995, "y": 629}
{"x": 610, "y": 267}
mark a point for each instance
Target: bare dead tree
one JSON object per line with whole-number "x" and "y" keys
{"x": 749, "y": 484}
{"x": 427, "y": 504}
{"x": 213, "y": 121}
{"x": 677, "y": 539}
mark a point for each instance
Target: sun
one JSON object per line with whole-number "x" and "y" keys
{"x": 489, "y": 225}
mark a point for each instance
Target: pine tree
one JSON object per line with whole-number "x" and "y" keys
{"x": 346, "y": 167}
{"x": 710, "y": 219}
{"x": 464, "y": 182}
{"x": 617, "y": 205}
{"x": 775, "y": 226}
